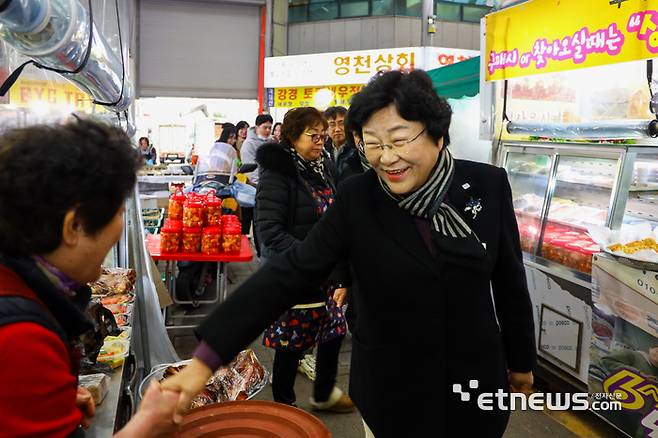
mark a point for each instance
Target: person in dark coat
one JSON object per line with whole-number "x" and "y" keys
{"x": 295, "y": 190}
{"x": 340, "y": 147}
{"x": 444, "y": 313}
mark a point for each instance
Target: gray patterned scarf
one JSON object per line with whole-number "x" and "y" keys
{"x": 428, "y": 201}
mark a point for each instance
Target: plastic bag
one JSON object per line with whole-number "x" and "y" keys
{"x": 245, "y": 194}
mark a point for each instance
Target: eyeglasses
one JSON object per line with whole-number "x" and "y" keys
{"x": 339, "y": 124}
{"x": 316, "y": 137}
{"x": 397, "y": 145}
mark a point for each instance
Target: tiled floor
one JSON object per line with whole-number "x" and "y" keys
{"x": 522, "y": 424}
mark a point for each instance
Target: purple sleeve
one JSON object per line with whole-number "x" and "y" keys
{"x": 207, "y": 355}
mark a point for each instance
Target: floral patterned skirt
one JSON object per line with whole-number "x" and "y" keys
{"x": 301, "y": 329}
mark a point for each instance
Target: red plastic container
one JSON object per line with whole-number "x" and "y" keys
{"x": 229, "y": 218}
{"x": 232, "y": 237}
{"x": 213, "y": 211}
{"x": 191, "y": 239}
{"x": 170, "y": 237}
{"x": 193, "y": 212}
{"x": 176, "y": 202}
{"x": 211, "y": 242}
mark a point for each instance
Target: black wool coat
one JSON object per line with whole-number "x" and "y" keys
{"x": 424, "y": 322}
{"x": 285, "y": 210}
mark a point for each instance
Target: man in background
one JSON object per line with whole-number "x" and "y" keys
{"x": 340, "y": 145}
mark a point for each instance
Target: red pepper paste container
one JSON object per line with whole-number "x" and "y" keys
{"x": 559, "y": 252}
{"x": 213, "y": 210}
{"x": 193, "y": 212}
{"x": 232, "y": 237}
{"x": 170, "y": 237}
{"x": 211, "y": 242}
{"x": 175, "y": 210}
{"x": 229, "y": 218}
{"x": 191, "y": 240}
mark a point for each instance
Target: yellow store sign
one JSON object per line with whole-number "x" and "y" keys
{"x": 292, "y": 97}
{"x": 27, "y": 91}
{"x": 543, "y": 36}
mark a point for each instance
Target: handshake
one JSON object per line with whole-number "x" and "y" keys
{"x": 162, "y": 407}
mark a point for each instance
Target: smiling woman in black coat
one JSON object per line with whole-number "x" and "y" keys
{"x": 434, "y": 246}
{"x": 295, "y": 190}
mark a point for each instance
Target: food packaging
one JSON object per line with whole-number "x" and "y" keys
{"x": 232, "y": 237}
{"x": 193, "y": 213}
{"x": 229, "y": 218}
{"x": 170, "y": 237}
{"x": 114, "y": 281}
{"x": 116, "y": 299}
{"x": 191, "y": 240}
{"x": 241, "y": 379}
{"x": 97, "y": 384}
{"x": 213, "y": 210}
{"x": 176, "y": 202}
{"x": 211, "y": 242}
{"x": 114, "y": 351}
{"x": 119, "y": 309}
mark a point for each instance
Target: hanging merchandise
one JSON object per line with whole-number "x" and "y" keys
{"x": 60, "y": 36}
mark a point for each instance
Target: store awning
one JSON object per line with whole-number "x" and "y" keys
{"x": 457, "y": 80}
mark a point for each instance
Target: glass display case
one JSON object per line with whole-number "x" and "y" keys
{"x": 561, "y": 190}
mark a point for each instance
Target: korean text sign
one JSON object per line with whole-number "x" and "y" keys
{"x": 545, "y": 36}
{"x": 292, "y": 97}
{"x": 354, "y": 67}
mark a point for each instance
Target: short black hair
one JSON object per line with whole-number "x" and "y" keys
{"x": 46, "y": 171}
{"x": 263, "y": 118}
{"x": 334, "y": 111}
{"x": 144, "y": 138}
{"x": 413, "y": 96}
{"x": 297, "y": 120}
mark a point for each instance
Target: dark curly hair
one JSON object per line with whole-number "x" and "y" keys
{"x": 297, "y": 120}
{"x": 413, "y": 96}
{"x": 46, "y": 171}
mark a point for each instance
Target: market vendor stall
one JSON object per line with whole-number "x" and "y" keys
{"x": 575, "y": 131}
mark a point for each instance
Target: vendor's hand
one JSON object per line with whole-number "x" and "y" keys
{"x": 155, "y": 417}
{"x": 189, "y": 382}
{"x": 158, "y": 408}
{"x": 340, "y": 295}
{"x": 520, "y": 382}
{"x": 85, "y": 402}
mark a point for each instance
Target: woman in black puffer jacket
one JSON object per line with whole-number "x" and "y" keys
{"x": 295, "y": 189}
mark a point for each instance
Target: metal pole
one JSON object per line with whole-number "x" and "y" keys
{"x": 425, "y": 35}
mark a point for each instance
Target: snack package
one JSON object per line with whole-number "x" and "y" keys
{"x": 242, "y": 378}
{"x": 119, "y": 309}
{"x": 116, "y": 299}
{"x": 114, "y": 281}
{"x": 97, "y": 384}
{"x": 114, "y": 351}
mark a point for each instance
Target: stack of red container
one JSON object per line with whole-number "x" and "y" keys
{"x": 195, "y": 224}
{"x": 569, "y": 247}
